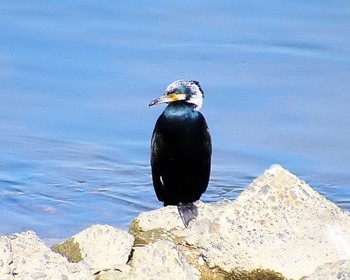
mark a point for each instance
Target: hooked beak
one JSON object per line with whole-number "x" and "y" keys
{"x": 168, "y": 98}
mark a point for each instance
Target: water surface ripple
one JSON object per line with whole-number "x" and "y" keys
{"x": 76, "y": 79}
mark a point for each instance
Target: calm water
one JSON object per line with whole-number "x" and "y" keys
{"x": 76, "y": 79}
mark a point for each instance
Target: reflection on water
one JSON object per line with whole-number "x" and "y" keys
{"x": 76, "y": 78}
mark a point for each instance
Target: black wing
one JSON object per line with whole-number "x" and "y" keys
{"x": 157, "y": 146}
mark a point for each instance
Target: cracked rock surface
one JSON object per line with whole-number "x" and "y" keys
{"x": 25, "y": 256}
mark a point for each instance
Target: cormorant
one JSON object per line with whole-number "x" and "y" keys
{"x": 181, "y": 148}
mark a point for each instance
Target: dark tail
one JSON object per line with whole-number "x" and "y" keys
{"x": 188, "y": 212}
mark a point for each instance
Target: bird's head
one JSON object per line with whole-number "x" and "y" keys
{"x": 185, "y": 90}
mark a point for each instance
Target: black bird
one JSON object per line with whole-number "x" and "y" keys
{"x": 181, "y": 148}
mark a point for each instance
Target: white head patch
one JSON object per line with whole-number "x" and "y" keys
{"x": 191, "y": 89}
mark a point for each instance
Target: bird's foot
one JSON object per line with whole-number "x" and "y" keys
{"x": 188, "y": 212}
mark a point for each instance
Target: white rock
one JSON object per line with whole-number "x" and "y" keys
{"x": 105, "y": 247}
{"x": 339, "y": 270}
{"x": 5, "y": 258}
{"x": 147, "y": 222}
{"x": 279, "y": 222}
{"x": 161, "y": 260}
{"x": 31, "y": 259}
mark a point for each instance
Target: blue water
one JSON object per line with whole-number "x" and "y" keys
{"x": 76, "y": 79}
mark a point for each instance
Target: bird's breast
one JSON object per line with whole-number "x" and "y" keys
{"x": 181, "y": 122}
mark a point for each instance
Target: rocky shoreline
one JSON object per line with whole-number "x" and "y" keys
{"x": 278, "y": 228}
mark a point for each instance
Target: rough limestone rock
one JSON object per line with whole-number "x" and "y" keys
{"x": 279, "y": 223}
{"x": 102, "y": 247}
{"x": 5, "y": 258}
{"x": 25, "y": 256}
{"x": 161, "y": 260}
{"x": 339, "y": 270}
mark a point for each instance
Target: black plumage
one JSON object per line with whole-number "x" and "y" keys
{"x": 181, "y": 148}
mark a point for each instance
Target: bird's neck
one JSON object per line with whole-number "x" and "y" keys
{"x": 181, "y": 106}
{"x": 180, "y": 112}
